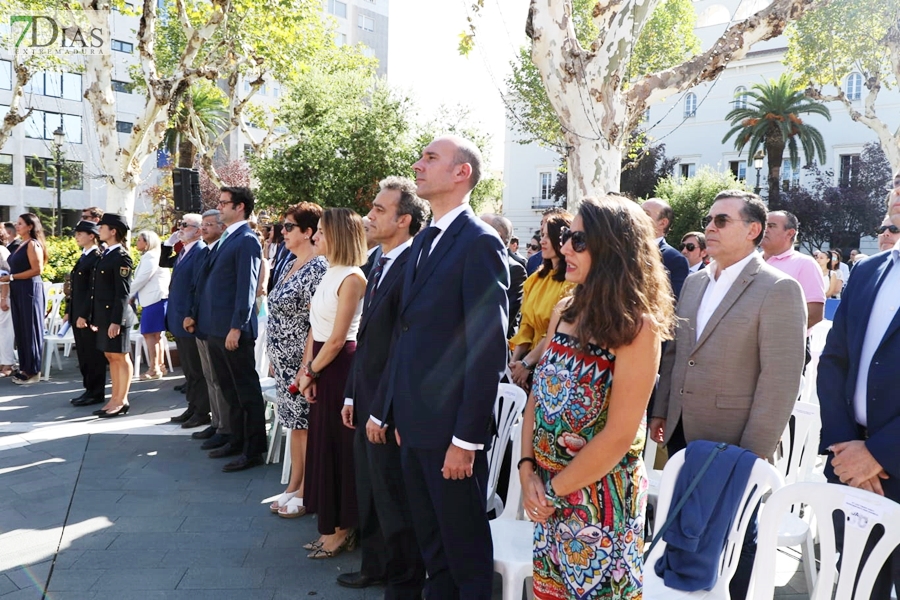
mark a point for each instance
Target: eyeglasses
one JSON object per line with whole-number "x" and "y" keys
{"x": 892, "y": 228}
{"x": 721, "y": 221}
{"x": 224, "y": 202}
{"x": 534, "y": 247}
{"x": 288, "y": 226}
{"x": 578, "y": 239}
{"x": 689, "y": 247}
{"x": 185, "y": 224}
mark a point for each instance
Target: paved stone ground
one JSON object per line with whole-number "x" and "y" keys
{"x": 132, "y": 508}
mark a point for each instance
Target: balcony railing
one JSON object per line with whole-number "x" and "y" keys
{"x": 538, "y": 203}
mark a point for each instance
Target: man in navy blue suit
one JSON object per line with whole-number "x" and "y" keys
{"x": 225, "y": 313}
{"x": 676, "y": 264}
{"x": 445, "y": 366}
{"x": 184, "y": 265}
{"x": 857, "y": 386}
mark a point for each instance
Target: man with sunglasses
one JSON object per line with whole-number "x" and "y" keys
{"x": 184, "y": 264}
{"x": 676, "y": 264}
{"x": 693, "y": 248}
{"x": 733, "y": 372}
{"x": 857, "y": 386}
{"x": 778, "y": 251}
{"x": 888, "y": 234}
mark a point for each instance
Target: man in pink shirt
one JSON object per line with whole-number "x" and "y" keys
{"x": 778, "y": 251}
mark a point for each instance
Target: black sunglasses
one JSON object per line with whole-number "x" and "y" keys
{"x": 578, "y": 239}
{"x": 720, "y": 221}
{"x": 288, "y": 226}
{"x": 184, "y": 224}
{"x": 892, "y": 228}
{"x": 534, "y": 247}
{"x": 689, "y": 247}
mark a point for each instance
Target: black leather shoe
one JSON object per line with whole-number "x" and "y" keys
{"x": 243, "y": 462}
{"x": 179, "y": 388}
{"x": 182, "y": 417}
{"x": 226, "y": 450}
{"x": 81, "y": 397}
{"x": 216, "y": 441}
{"x": 88, "y": 400}
{"x": 205, "y": 434}
{"x": 357, "y": 580}
{"x": 196, "y": 421}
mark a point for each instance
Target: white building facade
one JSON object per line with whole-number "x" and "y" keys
{"x": 692, "y": 124}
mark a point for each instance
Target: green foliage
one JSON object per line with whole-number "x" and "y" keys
{"x": 843, "y": 36}
{"x": 350, "y": 132}
{"x": 205, "y": 106}
{"x": 64, "y": 253}
{"x": 691, "y": 198}
{"x": 667, "y": 39}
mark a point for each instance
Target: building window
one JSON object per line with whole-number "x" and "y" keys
{"x": 365, "y": 23}
{"x": 41, "y": 172}
{"x": 56, "y": 85}
{"x": 124, "y": 126}
{"x": 6, "y": 169}
{"x": 72, "y": 127}
{"x": 262, "y": 90}
{"x": 5, "y": 75}
{"x": 690, "y": 105}
{"x": 73, "y": 175}
{"x": 688, "y": 169}
{"x": 123, "y": 87}
{"x": 120, "y": 46}
{"x": 849, "y": 170}
{"x": 71, "y": 86}
{"x": 740, "y": 97}
{"x": 738, "y": 169}
{"x": 340, "y": 39}
{"x": 546, "y": 186}
{"x": 854, "y": 86}
{"x": 790, "y": 177}
{"x": 35, "y": 172}
{"x": 276, "y": 90}
{"x": 41, "y": 125}
{"x": 368, "y": 52}
{"x": 337, "y": 8}
{"x": 35, "y": 85}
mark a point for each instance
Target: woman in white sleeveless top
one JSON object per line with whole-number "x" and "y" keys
{"x": 334, "y": 321}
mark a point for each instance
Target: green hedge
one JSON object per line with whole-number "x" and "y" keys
{"x": 64, "y": 253}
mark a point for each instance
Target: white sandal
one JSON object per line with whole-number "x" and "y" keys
{"x": 293, "y": 509}
{"x": 281, "y": 501}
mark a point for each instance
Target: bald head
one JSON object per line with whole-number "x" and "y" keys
{"x": 502, "y": 225}
{"x": 661, "y": 213}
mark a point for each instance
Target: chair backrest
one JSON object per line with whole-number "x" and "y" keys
{"x": 508, "y": 408}
{"x": 800, "y": 449}
{"x": 512, "y": 509}
{"x": 861, "y": 513}
{"x": 817, "y": 336}
{"x": 53, "y": 320}
{"x": 763, "y": 477}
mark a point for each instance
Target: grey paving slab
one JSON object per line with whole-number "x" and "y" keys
{"x": 206, "y": 557}
{"x": 130, "y": 524}
{"x": 7, "y": 586}
{"x": 216, "y": 523}
{"x": 30, "y": 576}
{"x": 189, "y": 541}
{"x": 26, "y": 594}
{"x": 78, "y": 580}
{"x": 139, "y": 579}
{"x": 222, "y": 578}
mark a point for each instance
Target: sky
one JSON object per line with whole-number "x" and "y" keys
{"x": 423, "y": 59}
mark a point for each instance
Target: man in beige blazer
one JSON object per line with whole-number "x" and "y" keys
{"x": 733, "y": 372}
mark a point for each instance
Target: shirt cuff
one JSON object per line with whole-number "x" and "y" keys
{"x": 467, "y": 445}
{"x": 348, "y": 401}
{"x": 376, "y": 421}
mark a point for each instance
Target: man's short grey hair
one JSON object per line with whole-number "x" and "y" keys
{"x": 409, "y": 203}
{"x": 503, "y": 226}
{"x": 213, "y": 213}
{"x": 192, "y": 218}
{"x": 468, "y": 152}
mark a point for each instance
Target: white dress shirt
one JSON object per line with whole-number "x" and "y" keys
{"x": 88, "y": 250}
{"x": 695, "y": 268}
{"x": 444, "y": 222}
{"x": 232, "y": 228}
{"x": 887, "y": 300}
{"x": 717, "y": 289}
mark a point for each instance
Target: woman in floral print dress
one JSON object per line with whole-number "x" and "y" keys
{"x": 582, "y": 475}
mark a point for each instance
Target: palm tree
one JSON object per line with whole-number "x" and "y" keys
{"x": 769, "y": 118}
{"x": 204, "y": 108}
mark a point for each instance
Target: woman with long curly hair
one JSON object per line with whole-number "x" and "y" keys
{"x": 583, "y": 479}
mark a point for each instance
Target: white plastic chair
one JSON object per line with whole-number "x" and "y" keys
{"x": 654, "y": 477}
{"x": 139, "y": 347}
{"x": 53, "y": 322}
{"x": 51, "y": 350}
{"x": 798, "y": 458}
{"x": 513, "y": 536}
{"x": 817, "y": 336}
{"x": 508, "y": 408}
{"x": 860, "y": 510}
{"x": 763, "y": 477}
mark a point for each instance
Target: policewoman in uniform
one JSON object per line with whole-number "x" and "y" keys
{"x": 110, "y": 311}
{"x": 91, "y": 361}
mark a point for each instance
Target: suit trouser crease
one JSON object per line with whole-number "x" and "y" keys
{"x": 236, "y": 372}
{"x": 91, "y": 362}
{"x": 451, "y": 525}
{"x": 189, "y": 356}
{"x": 221, "y": 413}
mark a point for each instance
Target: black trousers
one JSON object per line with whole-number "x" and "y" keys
{"x": 451, "y": 525}
{"x": 387, "y": 537}
{"x": 236, "y": 372}
{"x": 197, "y": 392}
{"x": 91, "y": 362}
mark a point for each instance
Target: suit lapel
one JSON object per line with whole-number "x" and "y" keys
{"x": 737, "y": 289}
{"x": 866, "y": 309}
{"x": 397, "y": 271}
{"x": 222, "y": 243}
{"x": 443, "y": 246}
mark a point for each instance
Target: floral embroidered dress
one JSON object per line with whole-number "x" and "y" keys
{"x": 592, "y": 546}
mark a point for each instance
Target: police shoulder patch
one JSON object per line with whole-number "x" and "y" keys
{"x": 124, "y": 271}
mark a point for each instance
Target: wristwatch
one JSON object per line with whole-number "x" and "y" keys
{"x": 525, "y": 364}
{"x": 11, "y": 277}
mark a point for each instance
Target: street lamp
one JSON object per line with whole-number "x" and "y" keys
{"x": 59, "y": 138}
{"x": 758, "y": 164}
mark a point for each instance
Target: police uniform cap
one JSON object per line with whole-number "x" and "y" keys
{"x": 88, "y": 227}
{"x": 115, "y": 221}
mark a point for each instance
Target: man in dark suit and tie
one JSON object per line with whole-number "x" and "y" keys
{"x": 858, "y": 390}
{"x": 517, "y": 274}
{"x": 389, "y": 548}
{"x": 226, "y": 315}
{"x": 184, "y": 264}
{"x": 444, "y": 370}
{"x": 676, "y": 264}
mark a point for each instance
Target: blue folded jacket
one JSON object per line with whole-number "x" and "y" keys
{"x": 695, "y": 539}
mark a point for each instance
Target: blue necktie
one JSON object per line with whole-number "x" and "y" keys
{"x": 376, "y": 277}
